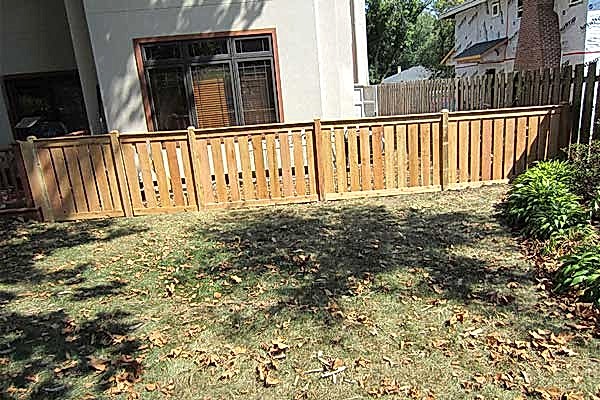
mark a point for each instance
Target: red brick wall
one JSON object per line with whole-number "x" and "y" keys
{"x": 539, "y": 36}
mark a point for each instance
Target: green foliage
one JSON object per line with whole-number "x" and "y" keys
{"x": 407, "y": 33}
{"x": 581, "y": 272}
{"x": 541, "y": 202}
{"x": 567, "y": 241}
{"x": 586, "y": 163}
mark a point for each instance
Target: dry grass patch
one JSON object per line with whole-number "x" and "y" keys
{"x": 421, "y": 297}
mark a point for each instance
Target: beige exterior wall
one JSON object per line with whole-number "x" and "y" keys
{"x": 314, "y": 41}
{"x": 82, "y": 48}
{"x": 34, "y": 37}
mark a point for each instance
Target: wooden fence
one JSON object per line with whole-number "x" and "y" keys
{"x": 164, "y": 172}
{"x": 576, "y": 85}
{"x": 14, "y": 190}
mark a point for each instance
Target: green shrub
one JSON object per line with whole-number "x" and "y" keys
{"x": 568, "y": 241}
{"x": 581, "y": 272}
{"x": 560, "y": 171}
{"x": 586, "y": 173}
{"x": 541, "y": 202}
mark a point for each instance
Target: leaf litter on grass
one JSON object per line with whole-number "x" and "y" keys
{"x": 422, "y": 297}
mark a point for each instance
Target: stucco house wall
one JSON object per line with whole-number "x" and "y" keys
{"x": 313, "y": 38}
{"x": 34, "y": 38}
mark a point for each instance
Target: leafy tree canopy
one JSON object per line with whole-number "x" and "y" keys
{"x": 406, "y": 33}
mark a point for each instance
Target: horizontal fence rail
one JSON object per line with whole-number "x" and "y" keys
{"x": 133, "y": 174}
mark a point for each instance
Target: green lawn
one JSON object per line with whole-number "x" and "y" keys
{"x": 422, "y": 296}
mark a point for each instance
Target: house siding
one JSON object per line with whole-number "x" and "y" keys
{"x": 476, "y": 25}
{"x": 314, "y": 43}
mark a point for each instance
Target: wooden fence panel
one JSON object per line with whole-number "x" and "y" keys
{"x": 383, "y": 158}
{"x": 503, "y": 142}
{"x": 79, "y": 177}
{"x": 159, "y": 173}
{"x": 167, "y": 172}
{"x": 257, "y": 166}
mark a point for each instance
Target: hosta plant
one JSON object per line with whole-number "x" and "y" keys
{"x": 541, "y": 202}
{"x": 581, "y": 272}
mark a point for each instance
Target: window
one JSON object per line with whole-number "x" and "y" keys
{"x": 519, "y": 8}
{"x": 495, "y": 8}
{"x": 54, "y": 99}
{"x": 211, "y": 83}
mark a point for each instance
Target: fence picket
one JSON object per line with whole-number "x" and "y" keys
{"x": 340, "y": 161}
{"x": 588, "y": 103}
{"x": 259, "y": 164}
{"x": 161, "y": 175}
{"x": 475, "y": 149}
{"x": 377, "y": 151}
{"x": 145, "y": 167}
{"x": 299, "y": 172}
{"x": 232, "y": 169}
{"x": 576, "y": 104}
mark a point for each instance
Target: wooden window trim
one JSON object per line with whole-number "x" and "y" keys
{"x": 139, "y": 59}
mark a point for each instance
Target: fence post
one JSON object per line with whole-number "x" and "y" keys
{"x": 319, "y": 159}
{"x": 117, "y": 151}
{"x": 444, "y": 161}
{"x": 35, "y": 179}
{"x": 195, "y": 164}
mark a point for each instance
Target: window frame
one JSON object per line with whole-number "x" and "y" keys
{"x": 495, "y": 3}
{"x": 8, "y": 89}
{"x": 519, "y": 8}
{"x": 187, "y": 61}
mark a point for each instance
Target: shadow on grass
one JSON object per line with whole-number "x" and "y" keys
{"x": 43, "y": 353}
{"x": 52, "y": 350}
{"x": 331, "y": 252}
{"x": 23, "y": 244}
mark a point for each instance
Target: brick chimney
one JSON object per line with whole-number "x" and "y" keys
{"x": 539, "y": 36}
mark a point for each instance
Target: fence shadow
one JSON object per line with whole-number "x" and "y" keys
{"x": 332, "y": 251}
{"x": 48, "y": 349}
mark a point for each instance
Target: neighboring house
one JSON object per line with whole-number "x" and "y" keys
{"x": 144, "y": 65}
{"x": 416, "y": 73}
{"x": 504, "y": 35}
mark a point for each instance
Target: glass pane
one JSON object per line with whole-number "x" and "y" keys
{"x": 208, "y": 48}
{"x": 258, "y": 93}
{"x": 213, "y": 96}
{"x": 161, "y": 51}
{"x": 169, "y": 99}
{"x": 56, "y": 99}
{"x": 252, "y": 45}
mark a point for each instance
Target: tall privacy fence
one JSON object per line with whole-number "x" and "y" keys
{"x": 163, "y": 172}
{"x": 575, "y": 85}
